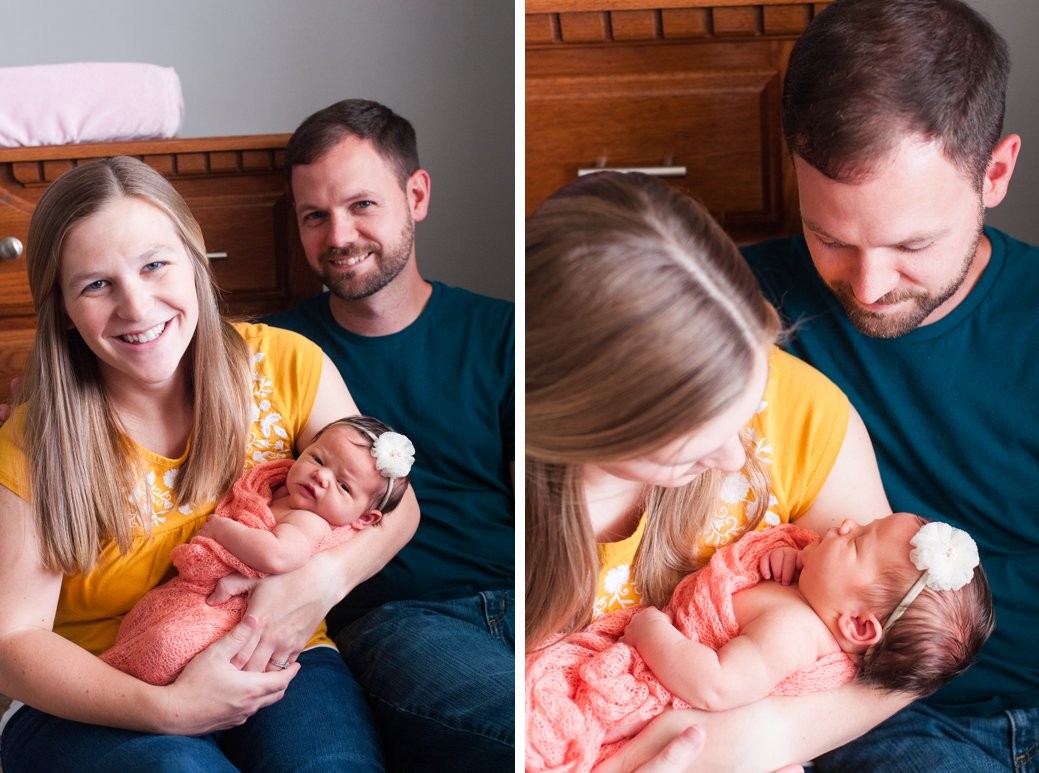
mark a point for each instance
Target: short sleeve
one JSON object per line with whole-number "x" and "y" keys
{"x": 286, "y": 371}
{"x": 804, "y": 422}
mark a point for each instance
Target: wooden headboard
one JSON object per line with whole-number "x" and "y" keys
{"x": 235, "y": 187}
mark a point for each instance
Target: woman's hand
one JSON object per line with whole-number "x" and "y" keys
{"x": 212, "y": 693}
{"x": 668, "y": 744}
{"x": 289, "y": 608}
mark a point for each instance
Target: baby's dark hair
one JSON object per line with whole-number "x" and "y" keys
{"x": 369, "y": 426}
{"x": 936, "y": 639}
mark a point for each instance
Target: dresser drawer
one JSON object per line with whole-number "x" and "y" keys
{"x": 678, "y": 124}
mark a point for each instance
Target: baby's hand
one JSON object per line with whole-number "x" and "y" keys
{"x": 782, "y": 565}
{"x": 215, "y": 528}
{"x": 645, "y": 625}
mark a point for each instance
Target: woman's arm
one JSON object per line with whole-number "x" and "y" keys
{"x": 784, "y": 731}
{"x": 39, "y": 667}
{"x": 292, "y": 605}
{"x": 853, "y": 488}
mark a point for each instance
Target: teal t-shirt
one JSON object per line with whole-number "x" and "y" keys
{"x": 447, "y": 381}
{"x": 953, "y": 411}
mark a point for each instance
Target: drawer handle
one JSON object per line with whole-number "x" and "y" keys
{"x": 10, "y": 248}
{"x": 656, "y": 171}
{"x": 216, "y": 255}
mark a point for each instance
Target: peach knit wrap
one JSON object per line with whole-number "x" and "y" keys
{"x": 580, "y": 686}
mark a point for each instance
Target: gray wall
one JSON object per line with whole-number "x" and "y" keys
{"x": 1018, "y": 21}
{"x": 261, "y": 66}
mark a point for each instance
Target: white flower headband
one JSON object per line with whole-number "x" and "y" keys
{"x": 394, "y": 454}
{"x": 947, "y": 557}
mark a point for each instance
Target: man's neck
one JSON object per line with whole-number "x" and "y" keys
{"x": 388, "y": 311}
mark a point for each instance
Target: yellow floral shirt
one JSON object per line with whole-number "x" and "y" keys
{"x": 798, "y": 429}
{"x": 286, "y": 371}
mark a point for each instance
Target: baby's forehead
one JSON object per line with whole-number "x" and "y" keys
{"x": 344, "y": 431}
{"x": 897, "y": 526}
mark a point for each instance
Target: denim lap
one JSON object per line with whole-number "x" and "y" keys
{"x": 440, "y": 677}
{"x": 323, "y": 723}
{"x": 920, "y": 739}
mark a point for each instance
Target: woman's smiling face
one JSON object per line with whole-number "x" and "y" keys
{"x": 128, "y": 286}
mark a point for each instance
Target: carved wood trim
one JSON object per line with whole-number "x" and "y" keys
{"x": 554, "y": 23}
{"x": 175, "y": 159}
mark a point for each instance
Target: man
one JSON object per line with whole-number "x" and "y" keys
{"x": 431, "y": 637}
{"x": 893, "y": 113}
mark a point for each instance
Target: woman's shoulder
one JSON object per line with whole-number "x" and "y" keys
{"x": 275, "y": 349}
{"x": 793, "y": 383}
{"x": 801, "y": 425}
{"x": 259, "y": 335}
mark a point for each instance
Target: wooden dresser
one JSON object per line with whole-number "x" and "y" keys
{"x": 236, "y": 189}
{"x": 687, "y": 88}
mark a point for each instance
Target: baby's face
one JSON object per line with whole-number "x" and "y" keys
{"x": 851, "y": 557}
{"x": 335, "y": 477}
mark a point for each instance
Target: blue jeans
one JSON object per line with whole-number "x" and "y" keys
{"x": 440, "y": 677}
{"x": 321, "y": 724}
{"x": 920, "y": 738}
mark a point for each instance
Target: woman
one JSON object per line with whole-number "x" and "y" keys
{"x": 661, "y": 422}
{"x": 140, "y": 406}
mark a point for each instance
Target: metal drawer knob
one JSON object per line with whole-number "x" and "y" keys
{"x": 10, "y": 248}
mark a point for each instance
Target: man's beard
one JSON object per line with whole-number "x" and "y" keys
{"x": 389, "y": 262}
{"x": 895, "y": 324}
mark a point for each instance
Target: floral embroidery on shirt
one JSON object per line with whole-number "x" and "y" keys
{"x": 268, "y": 439}
{"x": 160, "y": 498}
{"x": 735, "y": 494}
{"x": 620, "y": 591}
{"x": 735, "y": 489}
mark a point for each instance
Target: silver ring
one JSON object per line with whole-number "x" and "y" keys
{"x": 278, "y": 664}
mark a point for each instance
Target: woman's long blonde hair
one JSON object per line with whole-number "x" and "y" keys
{"x": 84, "y": 477}
{"x": 643, "y": 322}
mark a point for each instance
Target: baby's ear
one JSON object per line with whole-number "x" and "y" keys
{"x": 370, "y": 518}
{"x": 862, "y": 631}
